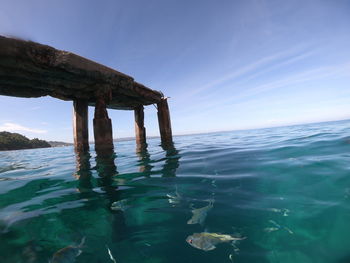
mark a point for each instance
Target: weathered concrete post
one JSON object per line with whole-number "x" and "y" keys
{"x": 140, "y": 130}
{"x": 164, "y": 122}
{"x": 102, "y": 125}
{"x": 80, "y": 125}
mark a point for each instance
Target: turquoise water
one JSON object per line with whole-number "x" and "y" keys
{"x": 287, "y": 190}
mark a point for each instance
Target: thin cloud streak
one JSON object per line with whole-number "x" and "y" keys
{"x": 253, "y": 67}
{"x": 292, "y": 79}
{"x": 11, "y": 127}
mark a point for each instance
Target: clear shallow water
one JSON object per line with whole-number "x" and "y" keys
{"x": 286, "y": 189}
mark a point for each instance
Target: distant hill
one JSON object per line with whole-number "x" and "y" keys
{"x": 16, "y": 141}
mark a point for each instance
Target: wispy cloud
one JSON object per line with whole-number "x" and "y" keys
{"x": 35, "y": 108}
{"x": 9, "y": 126}
{"x": 249, "y": 93}
{"x": 260, "y": 66}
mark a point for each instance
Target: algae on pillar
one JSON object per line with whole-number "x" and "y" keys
{"x": 80, "y": 125}
{"x": 102, "y": 124}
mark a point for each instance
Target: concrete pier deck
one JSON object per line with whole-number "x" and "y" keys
{"x": 29, "y": 70}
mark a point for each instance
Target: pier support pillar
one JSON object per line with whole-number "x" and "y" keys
{"x": 140, "y": 130}
{"x": 80, "y": 125}
{"x": 102, "y": 126}
{"x": 164, "y": 122}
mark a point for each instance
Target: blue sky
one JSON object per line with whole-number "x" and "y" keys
{"x": 225, "y": 64}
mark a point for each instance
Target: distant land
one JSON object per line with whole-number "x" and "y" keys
{"x": 16, "y": 141}
{"x": 59, "y": 144}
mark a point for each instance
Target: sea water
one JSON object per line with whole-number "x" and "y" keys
{"x": 286, "y": 189}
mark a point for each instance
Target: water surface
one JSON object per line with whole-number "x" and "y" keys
{"x": 286, "y": 189}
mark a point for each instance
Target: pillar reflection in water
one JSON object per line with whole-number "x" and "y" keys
{"x": 106, "y": 170}
{"x": 105, "y": 167}
{"x": 83, "y": 171}
{"x": 172, "y": 160}
{"x": 170, "y": 166}
{"x": 144, "y": 159}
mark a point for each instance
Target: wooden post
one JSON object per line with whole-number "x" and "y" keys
{"x": 102, "y": 126}
{"x": 164, "y": 122}
{"x": 140, "y": 130}
{"x": 80, "y": 125}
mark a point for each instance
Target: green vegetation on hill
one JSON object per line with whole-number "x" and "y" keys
{"x": 16, "y": 141}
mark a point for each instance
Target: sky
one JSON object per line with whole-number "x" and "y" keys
{"x": 226, "y": 65}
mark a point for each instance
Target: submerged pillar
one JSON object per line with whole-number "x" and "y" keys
{"x": 140, "y": 130}
{"x": 164, "y": 122}
{"x": 102, "y": 125}
{"x": 80, "y": 125}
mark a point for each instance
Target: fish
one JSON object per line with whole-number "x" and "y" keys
{"x": 199, "y": 214}
{"x": 67, "y": 254}
{"x": 120, "y": 205}
{"x": 208, "y": 241}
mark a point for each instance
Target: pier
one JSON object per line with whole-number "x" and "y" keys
{"x": 31, "y": 70}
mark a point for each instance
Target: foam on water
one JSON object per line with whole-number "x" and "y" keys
{"x": 286, "y": 189}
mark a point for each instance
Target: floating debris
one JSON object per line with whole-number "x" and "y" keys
{"x": 110, "y": 255}
{"x": 199, "y": 214}
{"x": 235, "y": 248}
{"x": 271, "y": 229}
{"x": 174, "y": 199}
{"x": 274, "y": 223}
{"x": 208, "y": 241}
{"x": 288, "y": 230}
{"x": 277, "y": 227}
{"x": 120, "y": 205}
{"x": 283, "y": 211}
{"x": 67, "y": 254}
{"x": 276, "y": 210}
